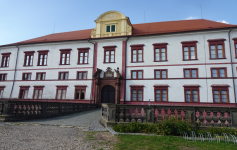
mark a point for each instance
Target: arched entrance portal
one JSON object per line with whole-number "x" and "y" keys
{"x": 108, "y": 94}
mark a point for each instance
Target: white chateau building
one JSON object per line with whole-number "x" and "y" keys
{"x": 187, "y": 62}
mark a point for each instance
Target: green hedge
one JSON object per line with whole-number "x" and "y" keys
{"x": 170, "y": 126}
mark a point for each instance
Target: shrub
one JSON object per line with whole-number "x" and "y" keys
{"x": 171, "y": 126}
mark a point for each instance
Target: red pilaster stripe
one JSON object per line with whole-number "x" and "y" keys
{"x": 122, "y": 91}
{"x": 94, "y": 69}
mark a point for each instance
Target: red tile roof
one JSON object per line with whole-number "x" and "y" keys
{"x": 138, "y": 29}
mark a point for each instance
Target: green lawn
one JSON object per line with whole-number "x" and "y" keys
{"x": 130, "y": 142}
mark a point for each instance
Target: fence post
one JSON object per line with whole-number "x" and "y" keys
{"x": 44, "y": 110}
{"x": 234, "y": 119}
{"x": 150, "y": 114}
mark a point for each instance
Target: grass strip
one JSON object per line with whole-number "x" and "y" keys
{"x": 130, "y": 142}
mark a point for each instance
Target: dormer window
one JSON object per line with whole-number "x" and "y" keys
{"x": 110, "y": 28}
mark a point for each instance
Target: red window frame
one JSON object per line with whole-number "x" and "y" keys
{"x": 161, "y": 73}
{"x": 38, "y": 88}
{"x": 83, "y": 51}
{"x": 161, "y": 87}
{"x": 64, "y": 72}
{"x": 190, "y": 72}
{"x": 160, "y": 46}
{"x": 136, "y": 47}
{"x": 189, "y": 44}
{"x": 80, "y": 87}
{"x": 136, "y": 74}
{"x": 22, "y": 95}
{"x": 61, "y": 87}
{"x": 26, "y": 73}
{"x": 44, "y": 60}
{"x": 41, "y": 75}
{"x": 109, "y": 48}
{"x": 3, "y": 76}
{"x": 81, "y": 74}
{"x": 1, "y": 91}
{"x": 220, "y": 88}
{"x": 218, "y": 72}
{"x": 65, "y": 52}
{"x": 5, "y": 59}
{"x": 235, "y": 46}
{"x": 136, "y": 87}
{"x": 191, "y": 88}
{"x": 27, "y": 62}
{"x": 217, "y": 42}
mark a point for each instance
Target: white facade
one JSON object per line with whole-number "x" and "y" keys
{"x": 174, "y": 65}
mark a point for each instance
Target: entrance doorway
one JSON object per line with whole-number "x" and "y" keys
{"x": 108, "y": 94}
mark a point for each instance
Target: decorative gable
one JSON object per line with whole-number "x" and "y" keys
{"x": 111, "y": 23}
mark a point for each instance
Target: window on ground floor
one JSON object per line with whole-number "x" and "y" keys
{"x": 38, "y": 92}
{"x": 80, "y": 92}
{"x": 220, "y": 93}
{"x": 24, "y": 92}
{"x": 137, "y": 92}
{"x": 191, "y": 93}
{"x": 61, "y": 92}
{"x": 161, "y": 93}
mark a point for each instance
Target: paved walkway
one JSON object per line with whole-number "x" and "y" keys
{"x": 82, "y": 119}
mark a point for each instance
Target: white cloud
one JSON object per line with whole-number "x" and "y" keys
{"x": 191, "y": 18}
{"x": 223, "y": 21}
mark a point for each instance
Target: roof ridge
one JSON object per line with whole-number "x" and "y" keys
{"x": 182, "y": 21}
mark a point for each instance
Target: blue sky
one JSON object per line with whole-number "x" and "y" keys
{"x": 25, "y": 19}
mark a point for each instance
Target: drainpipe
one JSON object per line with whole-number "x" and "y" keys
{"x": 125, "y": 70}
{"x": 14, "y": 72}
{"x": 92, "y": 69}
{"x": 232, "y": 67}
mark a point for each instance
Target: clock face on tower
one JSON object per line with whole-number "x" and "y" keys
{"x": 111, "y": 16}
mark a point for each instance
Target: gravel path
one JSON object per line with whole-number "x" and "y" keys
{"x": 57, "y": 133}
{"x": 45, "y": 137}
{"x": 88, "y": 119}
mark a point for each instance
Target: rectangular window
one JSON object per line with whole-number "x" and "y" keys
{"x": 3, "y": 76}
{"x": 1, "y": 91}
{"x": 235, "y": 46}
{"x": 191, "y": 93}
{"x": 110, "y": 28}
{"x": 63, "y": 75}
{"x": 189, "y": 50}
{"x": 24, "y": 92}
{"x": 5, "y": 59}
{"x": 65, "y": 56}
{"x": 137, "y": 74}
{"x": 80, "y": 92}
{"x": 161, "y": 93}
{"x": 38, "y": 92}
{"x": 42, "y": 57}
{"x": 190, "y": 72}
{"x": 220, "y": 93}
{"x": 29, "y": 55}
{"x": 160, "y": 73}
{"x": 137, "y": 53}
{"x": 160, "y": 51}
{"x": 81, "y": 75}
{"x": 26, "y": 76}
{"x": 218, "y": 72}
{"x": 136, "y": 93}
{"x": 217, "y": 48}
{"x": 83, "y": 55}
{"x": 109, "y": 54}
{"x": 61, "y": 92}
{"x": 40, "y": 75}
